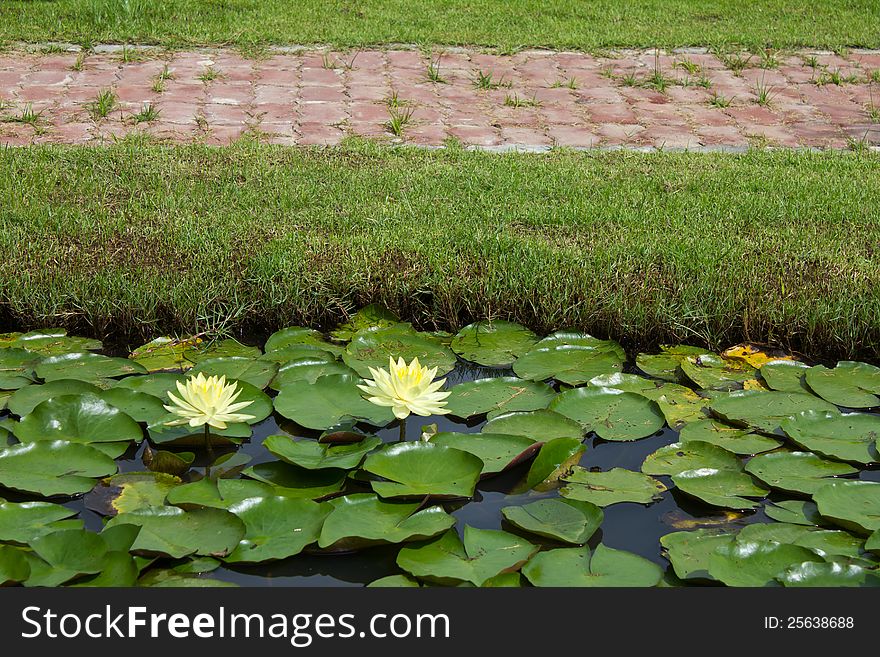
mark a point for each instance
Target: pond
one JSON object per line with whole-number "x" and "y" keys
{"x": 722, "y": 456}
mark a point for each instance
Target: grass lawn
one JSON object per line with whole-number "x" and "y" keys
{"x": 507, "y": 24}
{"x": 138, "y": 239}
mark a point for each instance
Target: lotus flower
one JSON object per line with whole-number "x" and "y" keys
{"x": 406, "y": 389}
{"x": 207, "y": 401}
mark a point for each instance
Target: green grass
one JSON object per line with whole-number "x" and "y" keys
{"x": 137, "y": 240}
{"x": 581, "y": 24}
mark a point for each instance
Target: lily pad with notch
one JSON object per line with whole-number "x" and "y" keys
{"x": 850, "y": 384}
{"x": 86, "y": 366}
{"x": 689, "y": 552}
{"x": 554, "y": 461}
{"x": 852, "y": 437}
{"x": 84, "y": 418}
{"x": 53, "y": 467}
{"x": 567, "y": 521}
{"x": 313, "y": 455}
{"x": 297, "y": 481}
{"x": 765, "y": 410}
{"x": 541, "y": 425}
{"x": 853, "y": 505}
{"x": 734, "y": 439}
{"x": 373, "y": 347}
{"x": 611, "y": 487}
{"x": 257, "y": 373}
{"x": 327, "y": 402}
{"x": 796, "y": 472}
{"x": 495, "y": 343}
{"x": 276, "y": 527}
{"x": 424, "y": 469}
{"x": 498, "y": 395}
{"x": 582, "y": 567}
{"x": 757, "y": 563}
{"x": 610, "y": 413}
{"x": 498, "y": 452}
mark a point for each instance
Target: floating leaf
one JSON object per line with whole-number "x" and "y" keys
{"x": 297, "y": 481}
{"x": 276, "y": 527}
{"x": 724, "y": 488}
{"x": 173, "y": 463}
{"x": 610, "y": 413}
{"x": 49, "y": 342}
{"x": 796, "y": 512}
{"x": 310, "y": 370}
{"x": 372, "y": 347}
{"x": 161, "y": 578}
{"x": 611, "y": 487}
{"x": 873, "y": 542}
{"x": 679, "y": 457}
{"x": 158, "y": 384}
{"x": 371, "y": 316}
{"x": 130, "y": 491}
{"x": 483, "y": 554}
{"x": 825, "y": 541}
{"x": 498, "y": 452}
{"x": 689, "y": 552}
{"x": 572, "y": 358}
{"x": 733, "y": 439}
{"x": 756, "y": 563}
{"x": 541, "y": 425}
{"x": 361, "y": 520}
{"x": 313, "y": 455}
{"x": 299, "y": 336}
{"x": 257, "y": 373}
{"x": 813, "y": 574}
{"x": 605, "y": 567}
{"x": 118, "y": 570}
{"x": 53, "y": 467}
{"x": 555, "y": 460}
{"x": 850, "y": 384}
{"x": 14, "y": 566}
{"x": 852, "y": 437}
{"x": 665, "y": 365}
{"x": 218, "y": 493}
{"x": 77, "y": 418}
{"x": 785, "y": 375}
{"x": 853, "y": 505}
{"x": 395, "y": 582}
{"x": 493, "y": 343}
{"x": 71, "y": 552}
{"x": 139, "y": 406}
{"x": 23, "y": 522}
{"x": 764, "y": 411}
{"x": 17, "y": 368}
{"x": 680, "y": 405}
{"x": 712, "y": 372}
{"x": 419, "y": 469}
{"x": 496, "y": 395}
{"x": 176, "y": 533}
{"x": 23, "y": 401}
{"x": 796, "y": 472}
{"x": 327, "y": 402}
{"x": 567, "y": 521}
{"x": 164, "y": 354}
{"x": 86, "y": 367}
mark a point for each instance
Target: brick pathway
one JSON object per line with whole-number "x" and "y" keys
{"x": 533, "y": 99}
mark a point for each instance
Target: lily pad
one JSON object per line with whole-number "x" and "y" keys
{"x": 139, "y": 406}
{"x": 23, "y": 401}
{"x": 395, "y": 582}
{"x": 498, "y": 452}
{"x": 567, "y": 521}
{"x": 850, "y": 384}
{"x": 611, "y": 487}
{"x": 184, "y": 435}
{"x": 313, "y": 455}
{"x": 309, "y": 369}
{"x": 419, "y": 469}
{"x": 765, "y": 411}
{"x": 23, "y": 522}
{"x": 14, "y": 566}
{"x": 77, "y": 418}
{"x": 327, "y": 402}
{"x": 689, "y": 552}
{"x": 756, "y": 563}
{"x": 361, "y": 520}
{"x": 665, "y": 365}
{"x": 169, "y": 531}
{"x": 276, "y": 527}
{"x": 157, "y": 384}
{"x": 679, "y": 457}
{"x": 873, "y": 542}
{"x": 130, "y": 491}
{"x": 482, "y": 555}
{"x": 17, "y": 368}
{"x": 571, "y": 358}
{"x": 541, "y": 425}
{"x": 297, "y": 481}
{"x": 799, "y": 512}
{"x": 554, "y": 461}
{"x": 724, "y": 488}
{"x": 604, "y": 567}
{"x": 493, "y": 343}
{"x": 497, "y": 395}
{"x": 733, "y": 439}
{"x": 49, "y": 342}
{"x": 785, "y": 375}
{"x": 610, "y": 413}
{"x": 712, "y": 372}
{"x": 163, "y": 577}
{"x": 218, "y": 493}
{"x": 86, "y": 367}
{"x": 72, "y": 552}
{"x": 826, "y": 541}
{"x": 852, "y": 437}
{"x": 372, "y": 347}
{"x": 796, "y": 472}
{"x": 172, "y": 463}
{"x": 257, "y": 373}
{"x": 853, "y": 505}
{"x": 680, "y": 405}
{"x": 53, "y": 467}
{"x": 165, "y": 354}
{"x": 813, "y": 574}
{"x": 297, "y": 335}
{"x": 371, "y": 316}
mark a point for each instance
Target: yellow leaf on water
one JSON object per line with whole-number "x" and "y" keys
{"x": 754, "y": 355}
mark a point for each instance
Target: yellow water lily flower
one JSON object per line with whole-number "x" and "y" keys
{"x": 406, "y": 389}
{"x": 207, "y": 400}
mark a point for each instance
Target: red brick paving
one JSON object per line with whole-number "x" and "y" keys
{"x": 542, "y": 99}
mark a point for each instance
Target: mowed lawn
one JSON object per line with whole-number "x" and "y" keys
{"x": 506, "y": 24}
{"x": 136, "y": 239}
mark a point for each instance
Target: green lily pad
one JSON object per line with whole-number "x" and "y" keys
{"x": 72, "y": 552}
{"x": 610, "y": 413}
{"x": 711, "y": 372}
{"x": 297, "y": 336}
{"x": 362, "y": 519}
{"x": 297, "y": 481}
{"x": 49, "y": 342}
{"x": 796, "y": 472}
{"x": 183, "y": 435}
{"x": 873, "y": 542}
{"x": 23, "y": 522}
{"x": 130, "y": 491}
{"x": 25, "y": 400}
{"x": 604, "y": 567}
{"x": 611, "y": 487}
{"x": 313, "y": 455}
{"x": 852, "y": 437}
{"x": 276, "y": 527}
{"x": 419, "y": 469}
{"x": 756, "y": 563}
{"x": 172, "y": 463}
{"x": 567, "y": 521}
{"x": 119, "y": 569}
{"x": 77, "y": 418}
{"x": 733, "y": 439}
{"x": 497, "y": 395}
{"x": 813, "y": 574}
{"x": 680, "y": 405}
{"x": 482, "y": 555}
{"x": 826, "y": 541}
{"x": 541, "y": 425}
{"x": 163, "y": 577}
{"x": 765, "y": 411}
{"x": 555, "y": 460}
{"x": 198, "y": 352}
{"x": 853, "y": 505}
{"x": 372, "y": 316}
{"x": 217, "y": 493}
{"x": 164, "y": 354}
{"x": 724, "y": 488}
{"x": 798, "y": 512}
{"x": 850, "y": 384}
{"x": 53, "y": 467}
{"x": 679, "y": 457}
{"x": 498, "y": 452}
{"x": 665, "y": 365}
{"x": 785, "y": 375}
{"x": 14, "y": 565}
{"x": 309, "y": 369}
{"x": 139, "y": 406}
{"x": 372, "y": 347}
{"x": 169, "y": 531}
{"x": 327, "y": 402}
{"x": 157, "y": 384}
{"x": 17, "y": 368}
{"x": 295, "y": 352}
{"x": 86, "y": 367}
{"x": 257, "y": 373}
{"x": 493, "y": 343}
{"x": 395, "y": 582}
{"x": 689, "y": 552}
{"x": 571, "y": 358}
